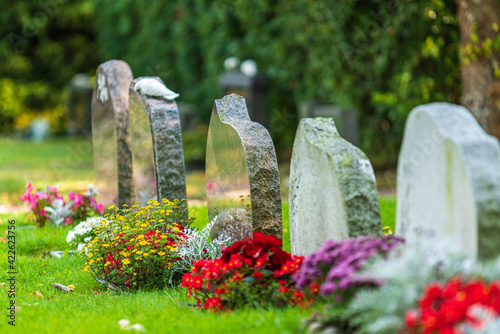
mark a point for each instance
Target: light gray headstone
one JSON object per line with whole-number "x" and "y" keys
{"x": 449, "y": 181}
{"x": 333, "y": 193}
{"x": 157, "y": 153}
{"x": 241, "y": 167}
{"x": 110, "y": 133}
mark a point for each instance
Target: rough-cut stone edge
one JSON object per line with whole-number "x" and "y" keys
{"x": 166, "y": 133}
{"x": 118, "y": 77}
{"x": 319, "y": 132}
{"x": 262, "y": 165}
{"x": 487, "y": 206}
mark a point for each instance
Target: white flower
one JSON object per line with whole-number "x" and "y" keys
{"x": 91, "y": 191}
{"x": 80, "y": 248}
{"x": 137, "y": 327}
{"x": 124, "y": 323}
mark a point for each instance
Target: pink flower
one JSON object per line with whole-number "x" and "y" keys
{"x": 42, "y": 212}
{"x": 67, "y": 220}
{"x": 71, "y": 195}
{"x": 100, "y": 208}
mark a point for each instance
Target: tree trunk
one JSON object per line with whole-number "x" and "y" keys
{"x": 479, "y": 22}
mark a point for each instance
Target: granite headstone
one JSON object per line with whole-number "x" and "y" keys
{"x": 449, "y": 181}
{"x": 110, "y": 133}
{"x": 333, "y": 193}
{"x": 158, "y": 157}
{"x": 241, "y": 167}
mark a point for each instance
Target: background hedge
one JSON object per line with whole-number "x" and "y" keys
{"x": 380, "y": 57}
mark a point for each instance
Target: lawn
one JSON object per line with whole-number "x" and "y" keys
{"x": 92, "y": 308}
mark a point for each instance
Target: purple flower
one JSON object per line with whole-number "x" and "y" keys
{"x": 337, "y": 264}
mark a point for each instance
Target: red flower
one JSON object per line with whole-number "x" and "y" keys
{"x": 258, "y": 275}
{"x": 279, "y": 258}
{"x": 266, "y": 240}
{"x": 186, "y": 280}
{"x": 197, "y": 281}
{"x": 213, "y": 304}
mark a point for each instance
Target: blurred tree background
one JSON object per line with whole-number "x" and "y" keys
{"x": 380, "y": 57}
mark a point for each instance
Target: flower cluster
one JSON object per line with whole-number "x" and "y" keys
{"x": 137, "y": 246}
{"x": 253, "y": 272}
{"x": 83, "y": 232}
{"x": 334, "y": 269}
{"x": 445, "y": 309}
{"x": 49, "y": 205}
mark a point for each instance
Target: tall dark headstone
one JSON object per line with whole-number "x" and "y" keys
{"x": 110, "y": 133}
{"x": 241, "y": 167}
{"x": 156, "y": 146}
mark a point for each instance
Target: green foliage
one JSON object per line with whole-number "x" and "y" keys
{"x": 381, "y": 57}
{"x": 43, "y": 45}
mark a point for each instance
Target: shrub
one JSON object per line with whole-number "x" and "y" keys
{"x": 254, "y": 272}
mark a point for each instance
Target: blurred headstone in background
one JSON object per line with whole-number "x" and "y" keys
{"x": 80, "y": 105}
{"x": 247, "y": 83}
{"x": 345, "y": 120}
{"x": 187, "y": 115}
{"x": 111, "y": 133}
{"x": 40, "y": 129}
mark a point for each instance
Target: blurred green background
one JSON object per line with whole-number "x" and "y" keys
{"x": 380, "y": 57}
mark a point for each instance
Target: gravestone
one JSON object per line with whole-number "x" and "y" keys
{"x": 333, "y": 193}
{"x": 158, "y": 158}
{"x": 346, "y": 121}
{"x": 110, "y": 133}
{"x": 449, "y": 181}
{"x": 241, "y": 167}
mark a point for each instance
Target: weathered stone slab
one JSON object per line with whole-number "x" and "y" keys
{"x": 158, "y": 157}
{"x": 333, "y": 193}
{"x": 449, "y": 181}
{"x": 241, "y": 167}
{"x": 110, "y": 133}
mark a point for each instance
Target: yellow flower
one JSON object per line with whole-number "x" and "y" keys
{"x": 126, "y": 261}
{"x": 107, "y": 263}
{"x": 90, "y": 255}
{"x": 139, "y": 252}
{"x": 161, "y": 253}
{"x": 87, "y": 268}
{"x": 153, "y": 250}
{"x": 111, "y": 207}
{"x": 146, "y": 254}
{"x": 91, "y": 262}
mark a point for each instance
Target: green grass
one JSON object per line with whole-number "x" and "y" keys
{"x": 68, "y": 162}
{"x": 86, "y": 311}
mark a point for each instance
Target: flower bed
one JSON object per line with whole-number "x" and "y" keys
{"x": 254, "y": 272}
{"x": 146, "y": 247}
{"x": 48, "y": 205}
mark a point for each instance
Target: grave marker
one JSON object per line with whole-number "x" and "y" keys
{"x": 333, "y": 193}
{"x": 158, "y": 158}
{"x": 110, "y": 133}
{"x": 449, "y": 181}
{"x": 241, "y": 167}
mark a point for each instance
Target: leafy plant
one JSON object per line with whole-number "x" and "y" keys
{"x": 253, "y": 272}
